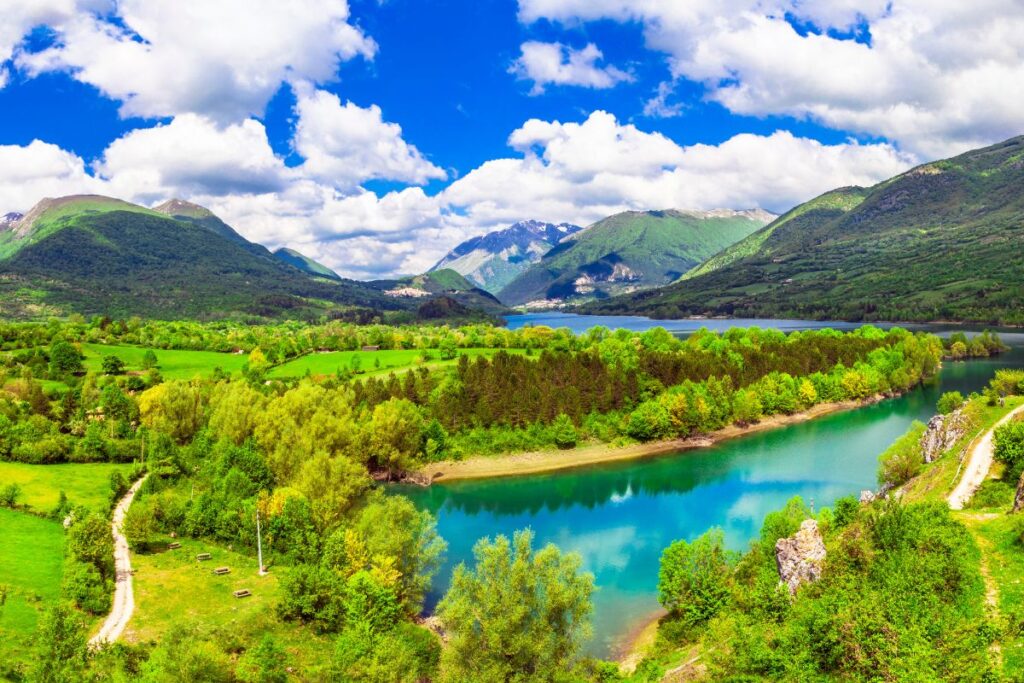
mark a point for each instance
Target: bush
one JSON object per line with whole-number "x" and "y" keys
{"x": 649, "y": 421}
{"x": 1009, "y": 448}
{"x": 694, "y": 578}
{"x": 84, "y": 585}
{"x": 903, "y": 459}
{"x": 564, "y": 431}
{"x": 950, "y": 401}
{"x": 993, "y": 493}
{"x": 9, "y": 495}
{"x": 112, "y": 365}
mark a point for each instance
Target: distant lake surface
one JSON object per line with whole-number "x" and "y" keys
{"x": 620, "y": 516}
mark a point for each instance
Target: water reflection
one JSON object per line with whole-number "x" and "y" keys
{"x": 620, "y": 516}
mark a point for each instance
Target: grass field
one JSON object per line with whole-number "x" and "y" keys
{"x": 371, "y": 362}
{"x": 172, "y": 364}
{"x": 31, "y": 558}
{"x": 84, "y": 484}
{"x": 173, "y": 588}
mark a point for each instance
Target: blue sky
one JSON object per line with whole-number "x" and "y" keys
{"x": 375, "y": 135}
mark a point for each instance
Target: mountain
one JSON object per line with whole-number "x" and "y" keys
{"x": 630, "y": 251}
{"x": 495, "y": 259}
{"x": 8, "y": 218}
{"x": 445, "y": 283}
{"x": 939, "y": 242}
{"x": 304, "y": 263}
{"x": 97, "y": 255}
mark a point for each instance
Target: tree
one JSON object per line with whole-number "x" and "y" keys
{"x": 61, "y": 651}
{"x": 693, "y": 580}
{"x": 564, "y": 431}
{"x": 139, "y": 524}
{"x": 903, "y": 459}
{"x": 90, "y": 541}
{"x": 149, "y": 360}
{"x": 394, "y": 435}
{"x": 518, "y": 616}
{"x": 112, "y": 365}
{"x": 447, "y": 349}
{"x": 174, "y": 408}
{"x": 649, "y": 421}
{"x": 301, "y": 423}
{"x": 332, "y": 485}
{"x": 391, "y": 526}
{"x": 65, "y": 360}
{"x": 950, "y": 401}
{"x": 265, "y": 663}
{"x": 235, "y": 409}
{"x": 1008, "y": 449}
{"x": 746, "y": 407}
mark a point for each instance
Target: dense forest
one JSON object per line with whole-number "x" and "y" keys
{"x": 354, "y": 561}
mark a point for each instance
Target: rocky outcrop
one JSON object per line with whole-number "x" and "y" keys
{"x": 1018, "y": 499}
{"x": 943, "y": 431}
{"x": 867, "y": 496}
{"x": 800, "y": 557}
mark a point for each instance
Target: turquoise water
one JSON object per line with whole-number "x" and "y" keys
{"x": 620, "y": 516}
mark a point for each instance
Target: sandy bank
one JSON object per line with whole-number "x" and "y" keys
{"x": 480, "y": 467}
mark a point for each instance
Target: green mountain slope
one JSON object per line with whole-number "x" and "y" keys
{"x": 95, "y": 255}
{"x": 939, "y": 242}
{"x": 630, "y": 251}
{"x": 445, "y": 283}
{"x": 304, "y": 263}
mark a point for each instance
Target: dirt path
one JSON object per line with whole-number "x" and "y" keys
{"x": 124, "y": 599}
{"x": 979, "y": 460}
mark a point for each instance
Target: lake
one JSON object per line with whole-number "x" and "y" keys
{"x": 619, "y": 517}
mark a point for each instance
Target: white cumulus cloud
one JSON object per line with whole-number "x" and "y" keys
{"x": 347, "y": 144}
{"x": 222, "y": 59}
{"x": 557, "y": 64}
{"x": 935, "y": 76}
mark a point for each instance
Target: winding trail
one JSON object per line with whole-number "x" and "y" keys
{"x": 979, "y": 460}
{"x": 124, "y": 598}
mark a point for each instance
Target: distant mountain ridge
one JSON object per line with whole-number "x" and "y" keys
{"x": 91, "y": 254}
{"x": 939, "y": 242}
{"x": 496, "y": 258}
{"x": 630, "y": 251}
{"x": 302, "y": 262}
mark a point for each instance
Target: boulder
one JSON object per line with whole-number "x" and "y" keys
{"x": 866, "y": 497}
{"x": 943, "y": 431}
{"x": 1018, "y": 499}
{"x": 800, "y": 557}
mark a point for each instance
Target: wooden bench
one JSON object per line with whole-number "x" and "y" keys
{"x": 173, "y": 546}
{"x": 219, "y": 571}
{"x": 204, "y": 556}
{"x": 244, "y": 593}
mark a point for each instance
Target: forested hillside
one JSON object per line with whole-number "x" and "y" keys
{"x": 630, "y": 251}
{"x": 96, "y": 255}
{"x": 939, "y": 242}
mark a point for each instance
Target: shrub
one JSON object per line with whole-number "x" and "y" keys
{"x": 564, "y": 431}
{"x": 112, "y": 365}
{"x": 903, "y": 459}
{"x": 693, "y": 580}
{"x": 9, "y": 495}
{"x": 1009, "y": 448}
{"x": 950, "y": 401}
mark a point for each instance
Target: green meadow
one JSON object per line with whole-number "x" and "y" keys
{"x": 172, "y": 587}
{"x": 172, "y": 363}
{"x": 372, "y": 362}
{"x": 31, "y": 559}
{"x": 85, "y": 484}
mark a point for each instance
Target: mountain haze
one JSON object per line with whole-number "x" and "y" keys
{"x": 630, "y": 251}
{"x": 495, "y": 259}
{"x": 939, "y": 242}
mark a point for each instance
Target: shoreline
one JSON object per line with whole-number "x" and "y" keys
{"x": 539, "y": 462}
